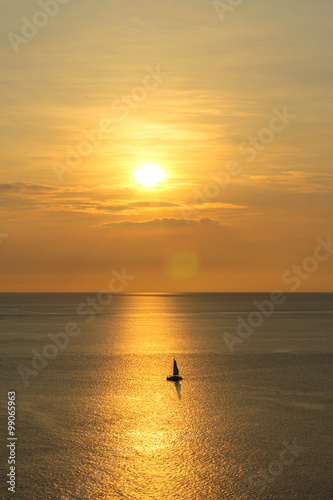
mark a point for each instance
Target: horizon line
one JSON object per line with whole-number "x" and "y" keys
{"x": 169, "y": 293}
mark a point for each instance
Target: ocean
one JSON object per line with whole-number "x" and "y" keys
{"x": 95, "y": 417}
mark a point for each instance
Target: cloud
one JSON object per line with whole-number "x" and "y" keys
{"x": 19, "y": 187}
{"x": 154, "y": 204}
{"x": 297, "y": 180}
{"x": 165, "y": 222}
{"x": 20, "y": 196}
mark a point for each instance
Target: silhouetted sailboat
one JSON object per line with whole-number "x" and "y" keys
{"x": 175, "y": 377}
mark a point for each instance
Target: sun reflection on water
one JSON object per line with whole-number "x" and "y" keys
{"x": 155, "y": 431}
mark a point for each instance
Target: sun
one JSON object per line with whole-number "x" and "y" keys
{"x": 149, "y": 175}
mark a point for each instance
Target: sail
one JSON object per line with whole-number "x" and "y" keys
{"x": 175, "y": 368}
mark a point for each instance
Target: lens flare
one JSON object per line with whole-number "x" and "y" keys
{"x": 183, "y": 265}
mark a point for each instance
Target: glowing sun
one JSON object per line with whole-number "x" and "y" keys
{"x": 149, "y": 175}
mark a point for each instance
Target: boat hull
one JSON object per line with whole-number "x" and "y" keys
{"x": 174, "y": 378}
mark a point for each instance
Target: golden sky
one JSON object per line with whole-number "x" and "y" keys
{"x": 99, "y": 89}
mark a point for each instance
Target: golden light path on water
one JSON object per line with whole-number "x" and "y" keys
{"x": 157, "y": 432}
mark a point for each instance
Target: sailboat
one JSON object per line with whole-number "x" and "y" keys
{"x": 175, "y": 377}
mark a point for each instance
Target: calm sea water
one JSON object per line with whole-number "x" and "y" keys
{"x": 100, "y": 421}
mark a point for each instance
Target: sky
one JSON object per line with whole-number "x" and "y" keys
{"x": 232, "y": 102}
